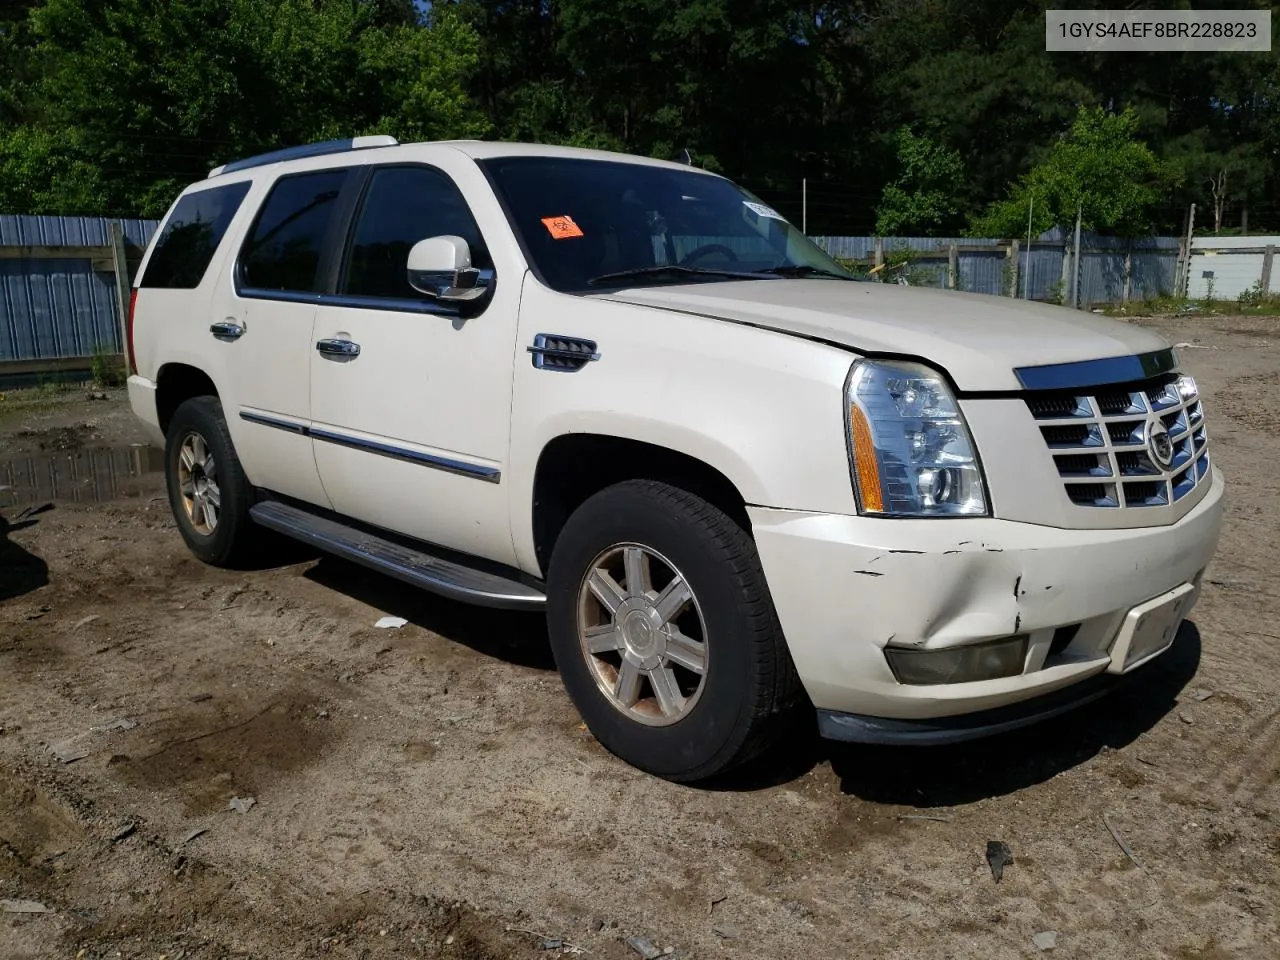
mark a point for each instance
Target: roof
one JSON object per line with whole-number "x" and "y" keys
{"x": 476, "y": 149}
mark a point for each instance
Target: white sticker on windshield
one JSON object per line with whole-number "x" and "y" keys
{"x": 763, "y": 211}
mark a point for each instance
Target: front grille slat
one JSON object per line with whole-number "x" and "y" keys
{"x": 1103, "y": 447}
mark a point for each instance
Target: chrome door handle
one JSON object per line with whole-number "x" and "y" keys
{"x": 338, "y": 349}
{"x": 226, "y": 330}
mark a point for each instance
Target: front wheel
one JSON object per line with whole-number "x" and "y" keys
{"x": 208, "y": 492}
{"x": 664, "y": 632}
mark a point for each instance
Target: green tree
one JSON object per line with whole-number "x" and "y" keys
{"x": 924, "y": 195}
{"x": 1099, "y": 170}
{"x": 137, "y": 98}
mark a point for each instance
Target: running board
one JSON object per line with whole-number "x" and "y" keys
{"x": 413, "y": 566}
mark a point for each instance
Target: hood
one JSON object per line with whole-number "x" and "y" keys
{"x": 978, "y": 339}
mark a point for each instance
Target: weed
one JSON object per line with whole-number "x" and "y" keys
{"x": 107, "y": 367}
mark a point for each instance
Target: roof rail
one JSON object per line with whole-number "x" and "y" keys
{"x": 306, "y": 150}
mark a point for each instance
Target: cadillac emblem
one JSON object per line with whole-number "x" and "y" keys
{"x": 1159, "y": 444}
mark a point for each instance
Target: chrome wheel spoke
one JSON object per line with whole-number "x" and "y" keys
{"x": 686, "y": 652}
{"x": 187, "y": 457}
{"x": 627, "y": 688}
{"x": 188, "y": 488}
{"x": 603, "y": 639}
{"x": 198, "y": 449}
{"x": 606, "y": 590}
{"x": 213, "y": 494}
{"x": 666, "y": 691}
{"x": 636, "y": 564}
{"x": 642, "y": 662}
{"x": 673, "y": 598}
{"x": 210, "y": 467}
{"x": 209, "y": 512}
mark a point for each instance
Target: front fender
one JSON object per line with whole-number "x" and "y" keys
{"x": 763, "y": 408}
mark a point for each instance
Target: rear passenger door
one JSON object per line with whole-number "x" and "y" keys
{"x": 279, "y": 276}
{"x": 410, "y": 433}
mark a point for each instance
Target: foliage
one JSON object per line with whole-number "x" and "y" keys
{"x": 108, "y": 106}
{"x": 136, "y": 99}
{"x": 1257, "y": 300}
{"x": 1098, "y": 169}
{"x": 107, "y": 367}
{"x": 1057, "y": 292}
{"x": 924, "y": 194}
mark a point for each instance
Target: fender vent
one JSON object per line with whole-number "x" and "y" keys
{"x": 566, "y": 354}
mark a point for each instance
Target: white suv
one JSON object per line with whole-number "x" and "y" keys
{"x": 739, "y": 482}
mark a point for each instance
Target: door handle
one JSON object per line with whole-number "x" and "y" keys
{"x": 226, "y": 330}
{"x": 338, "y": 349}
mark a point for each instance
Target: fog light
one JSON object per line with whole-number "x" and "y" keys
{"x": 978, "y": 661}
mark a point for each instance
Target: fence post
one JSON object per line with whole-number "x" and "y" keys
{"x": 1267, "y": 257}
{"x": 1128, "y": 269}
{"x": 953, "y": 266}
{"x": 120, "y": 262}
{"x": 878, "y": 258}
{"x": 1012, "y": 290}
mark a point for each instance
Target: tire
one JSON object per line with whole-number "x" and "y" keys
{"x": 673, "y": 721}
{"x": 217, "y": 479}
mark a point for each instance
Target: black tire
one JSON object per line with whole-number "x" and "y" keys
{"x": 234, "y": 536}
{"x": 750, "y": 683}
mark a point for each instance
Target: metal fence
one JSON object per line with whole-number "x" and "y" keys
{"x": 61, "y": 277}
{"x": 59, "y": 289}
{"x": 1112, "y": 269}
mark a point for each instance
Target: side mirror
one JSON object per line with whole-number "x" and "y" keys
{"x": 440, "y": 267}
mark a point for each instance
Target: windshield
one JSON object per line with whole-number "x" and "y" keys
{"x": 596, "y": 224}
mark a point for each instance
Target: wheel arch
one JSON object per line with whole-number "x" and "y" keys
{"x": 574, "y": 466}
{"x": 177, "y": 383}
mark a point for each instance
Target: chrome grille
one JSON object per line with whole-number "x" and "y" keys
{"x": 1101, "y": 441}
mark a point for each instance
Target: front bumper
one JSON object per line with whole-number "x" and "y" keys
{"x": 845, "y": 586}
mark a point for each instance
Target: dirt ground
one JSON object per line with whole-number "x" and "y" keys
{"x": 429, "y": 791}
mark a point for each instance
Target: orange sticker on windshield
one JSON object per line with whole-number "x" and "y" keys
{"x": 561, "y": 228}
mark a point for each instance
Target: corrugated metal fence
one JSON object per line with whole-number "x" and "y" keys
{"x": 58, "y": 298}
{"x": 58, "y": 288}
{"x": 1112, "y": 269}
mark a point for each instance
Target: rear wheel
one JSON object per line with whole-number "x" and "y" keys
{"x": 208, "y": 492}
{"x": 665, "y": 634}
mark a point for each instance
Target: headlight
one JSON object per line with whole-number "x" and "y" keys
{"x": 910, "y": 451}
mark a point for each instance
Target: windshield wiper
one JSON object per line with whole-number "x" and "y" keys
{"x": 803, "y": 270}
{"x": 669, "y": 269}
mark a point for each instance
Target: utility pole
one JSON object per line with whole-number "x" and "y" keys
{"x": 804, "y": 205}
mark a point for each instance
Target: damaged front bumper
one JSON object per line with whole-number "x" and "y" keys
{"x": 1086, "y": 600}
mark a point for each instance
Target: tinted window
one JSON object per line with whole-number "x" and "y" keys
{"x": 402, "y": 206}
{"x": 289, "y": 237}
{"x": 581, "y": 220}
{"x": 191, "y": 237}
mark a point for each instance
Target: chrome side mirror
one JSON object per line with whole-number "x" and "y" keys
{"x": 440, "y": 267}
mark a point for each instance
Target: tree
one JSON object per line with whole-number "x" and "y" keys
{"x": 137, "y": 98}
{"x": 923, "y": 196}
{"x": 1098, "y": 171}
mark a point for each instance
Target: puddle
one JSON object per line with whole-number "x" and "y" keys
{"x": 89, "y": 475}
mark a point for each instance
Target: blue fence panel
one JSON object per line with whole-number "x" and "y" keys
{"x": 53, "y": 308}
{"x": 23, "y": 231}
{"x": 56, "y": 308}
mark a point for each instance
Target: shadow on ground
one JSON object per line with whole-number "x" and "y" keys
{"x": 937, "y": 776}
{"x": 962, "y": 773}
{"x": 20, "y": 571}
{"x": 517, "y": 638}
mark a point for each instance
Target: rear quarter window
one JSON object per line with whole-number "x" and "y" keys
{"x": 191, "y": 237}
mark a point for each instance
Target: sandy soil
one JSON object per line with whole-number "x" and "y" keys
{"x": 429, "y": 791}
